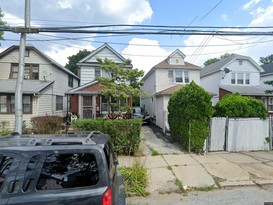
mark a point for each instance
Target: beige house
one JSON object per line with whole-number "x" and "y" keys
{"x": 44, "y": 85}
{"x": 162, "y": 81}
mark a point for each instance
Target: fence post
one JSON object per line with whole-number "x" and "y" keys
{"x": 226, "y": 134}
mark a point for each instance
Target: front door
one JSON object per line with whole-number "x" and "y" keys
{"x": 87, "y": 107}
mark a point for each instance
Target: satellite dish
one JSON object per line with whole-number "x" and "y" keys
{"x": 44, "y": 73}
{"x": 227, "y": 70}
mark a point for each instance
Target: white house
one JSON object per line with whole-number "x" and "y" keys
{"x": 267, "y": 75}
{"x": 44, "y": 85}
{"x": 235, "y": 74}
{"x": 85, "y": 99}
{"x": 162, "y": 81}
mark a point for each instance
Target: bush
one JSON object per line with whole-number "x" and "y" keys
{"x": 125, "y": 134}
{"x": 234, "y": 105}
{"x": 135, "y": 180}
{"x": 4, "y": 131}
{"x": 190, "y": 111}
{"x": 46, "y": 124}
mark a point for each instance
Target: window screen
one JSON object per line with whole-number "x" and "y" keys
{"x": 68, "y": 171}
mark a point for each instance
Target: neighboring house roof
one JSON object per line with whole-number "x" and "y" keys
{"x": 268, "y": 69}
{"x": 81, "y": 89}
{"x": 43, "y": 55}
{"x": 29, "y": 86}
{"x": 166, "y": 65}
{"x": 169, "y": 91}
{"x": 94, "y": 52}
{"x": 248, "y": 90}
{"x": 220, "y": 65}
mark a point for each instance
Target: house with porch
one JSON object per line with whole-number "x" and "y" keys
{"x": 162, "y": 81}
{"x": 235, "y": 74}
{"x": 86, "y": 101}
{"x": 45, "y": 82}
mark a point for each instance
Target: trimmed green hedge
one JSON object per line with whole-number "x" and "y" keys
{"x": 125, "y": 134}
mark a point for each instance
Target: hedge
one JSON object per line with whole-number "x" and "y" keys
{"x": 125, "y": 134}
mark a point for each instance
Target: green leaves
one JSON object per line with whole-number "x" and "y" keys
{"x": 74, "y": 59}
{"x": 234, "y": 105}
{"x": 190, "y": 107}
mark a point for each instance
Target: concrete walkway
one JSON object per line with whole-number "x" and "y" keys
{"x": 173, "y": 168}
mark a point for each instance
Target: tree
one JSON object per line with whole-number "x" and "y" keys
{"x": 2, "y": 24}
{"x": 74, "y": 59}
{"x": 214, "y": 60}
{"x": 190, "y": 111}
{"x": 122, "y": 82}
{"x": 236, "y": 106}
{"x": 267, "y": 59}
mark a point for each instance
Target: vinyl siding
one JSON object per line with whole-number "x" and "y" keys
{"x": 104, "y": 53}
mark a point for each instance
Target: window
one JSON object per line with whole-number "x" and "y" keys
{"x": 264, "y": 100}
{"x": 97, "y": 72}
{"x": 176, "y": 76}
{"x": 240, "y": 62}
{"x": 270, "y": 103}
{"x": 115, "y": 105}
{"x": 5, "y": 164}
{"x": 27, "y": 53}
{"x": 103, "y": 104}
{"x": 59, "y": 102}
{"x": 61, "y": 171}
{"x": 240, "y": 78}
{"x": 7, "y": 104}
{"x": 70, "y": 81}
{"x": 31, "y": 72}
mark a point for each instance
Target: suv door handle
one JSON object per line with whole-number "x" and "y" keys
{"x": 11, "y": 187}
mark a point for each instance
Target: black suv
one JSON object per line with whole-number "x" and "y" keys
{"x": 59, "y": 169}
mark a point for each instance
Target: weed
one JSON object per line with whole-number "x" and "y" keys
{"x": 169, "y": 168}
{"x": 217, "y": 181}
{"x": 204, "y": 188}
{"x": 154, "y": 152}
{"x": 135, "y": 179}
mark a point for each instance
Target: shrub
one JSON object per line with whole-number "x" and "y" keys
{"x": 135, "y": 180}
{"x": 125, "y": 134}
{"x": 46, "y": 124}
{"x": 4, "y": 131}
{"x": 190, "y": 111}
{"x": 234, "y": 105}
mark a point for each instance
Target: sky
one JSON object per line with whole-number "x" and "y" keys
{"x": 145, "y": 51}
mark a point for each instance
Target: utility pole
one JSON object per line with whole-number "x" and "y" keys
{"x": 20, "y": 77}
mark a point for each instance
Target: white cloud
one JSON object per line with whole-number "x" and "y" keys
{"x": 13, "y": 20}
{"x": 65, "y": 4}
{"x": 224, "y": 17}
{"x": 250, "y": 4}
{"x": 263, "y": 17}
{"x": 144, "y": 57}
{"x": 60, "y": 54}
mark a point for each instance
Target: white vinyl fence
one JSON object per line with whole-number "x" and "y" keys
{"x": 243, "y": 134}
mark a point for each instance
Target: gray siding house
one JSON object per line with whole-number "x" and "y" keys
{"x": 44, "y": 85}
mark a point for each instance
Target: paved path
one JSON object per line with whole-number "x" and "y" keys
{"x": 199, "y": 172}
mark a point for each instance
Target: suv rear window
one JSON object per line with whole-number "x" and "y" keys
{"x": 62, "y": 171}
{"x": 5, "y": 163}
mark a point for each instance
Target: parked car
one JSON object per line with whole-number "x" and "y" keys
{"x": 141, "y": 113}
{"x": 59, "y": 169}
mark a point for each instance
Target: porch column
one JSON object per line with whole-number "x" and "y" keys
{"x": 94, "y": 106}
{"x": 80, "y": 107}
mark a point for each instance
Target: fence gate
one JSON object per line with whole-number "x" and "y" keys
{"x": 217, "y": 139}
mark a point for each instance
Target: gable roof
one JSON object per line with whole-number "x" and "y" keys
{"x": 220, "y": 65}
{"x": 81, "y": 89}
{"x": 43, "y": 55}
{"x": 177, "y": 51}
{"x": 30, "y": 86}
{"x": 94, "y": 52}
{"x": 166, "y": 65}
{"x": 268, "y": 69}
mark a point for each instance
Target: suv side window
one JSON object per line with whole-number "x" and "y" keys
{"x": 62, "y": 171}
{"x": 110, "y": 160}
{"x": 5, "y": 163}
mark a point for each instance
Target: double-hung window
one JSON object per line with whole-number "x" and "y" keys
{"x": 59, "y": 102}
{"x": 31, "y": 71}
{"x": 7, "y": 104}
{"x": 240, "y": 78}
{"x": 270, "y": 103}
{"x": 178, "y": 76}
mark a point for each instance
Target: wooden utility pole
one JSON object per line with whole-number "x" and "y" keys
{"x": 20, "y": 77}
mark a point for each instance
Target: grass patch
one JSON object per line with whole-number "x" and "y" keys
{"x": 154, "y": 152}
{"x": 204, "y": 188}
{"x": 169, "y": 168}
{"x": 180, "y": 185}
{"x": 217, "y": 181}
{"x": 135, "y": 180}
